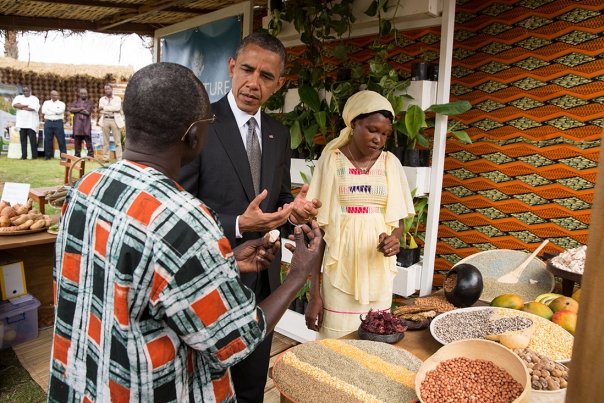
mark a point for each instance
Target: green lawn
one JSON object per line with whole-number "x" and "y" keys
{"x": 38, "y": 173}
{"x": 16, "y": 385}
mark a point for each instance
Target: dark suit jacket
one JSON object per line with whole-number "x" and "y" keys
{"x": 222, "y": 179}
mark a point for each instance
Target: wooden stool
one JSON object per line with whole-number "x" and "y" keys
{"x": 38, "y": 195}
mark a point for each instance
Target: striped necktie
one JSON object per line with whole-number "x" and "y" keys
{"x": 254, "y": 155}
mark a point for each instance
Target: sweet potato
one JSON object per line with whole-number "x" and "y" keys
{"x": 25, "y": 225}
{"x": 4, "y": 222}
{"x": 22, "y": 210}
{"x": 8, "y": 212}
{"x": 21, "y": 227}
{"x": 4, "y": 204}
{"x": 23, "y": 218}
{"x": 37, "y": 224}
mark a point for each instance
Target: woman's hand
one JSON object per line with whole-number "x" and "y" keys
{"x": 389, "y": 245}
{"x": 314, "y": 313}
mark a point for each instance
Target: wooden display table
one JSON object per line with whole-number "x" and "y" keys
{"x": 418, "y": 342}
{"x": 37, "y": 251}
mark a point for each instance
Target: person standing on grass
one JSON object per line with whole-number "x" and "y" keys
{"x": 54, "y": 113}
{"x": 110, "y": 108}
{"x": 150, "y": 306}
{"x": 82, "y": 128}
{"x": 28, "y": 121}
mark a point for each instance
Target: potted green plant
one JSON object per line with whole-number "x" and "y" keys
{"x": 410, "y": 252}
{"x": 419, "y": 70}
{"x": 415, "y": 123}
{"x": 314, "y": 121}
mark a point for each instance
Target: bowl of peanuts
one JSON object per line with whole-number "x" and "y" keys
{"x": 475, "y": 371}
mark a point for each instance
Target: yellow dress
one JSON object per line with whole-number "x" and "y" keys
{"x": 356, "y": 209}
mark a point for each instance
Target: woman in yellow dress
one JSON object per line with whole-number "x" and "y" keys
{"x": 365, "y": 197}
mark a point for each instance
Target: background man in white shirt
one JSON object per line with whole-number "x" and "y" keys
{"x": 110, "y": 108}
{"x": 54, "y": 113}
{"x": 28, "y": 122}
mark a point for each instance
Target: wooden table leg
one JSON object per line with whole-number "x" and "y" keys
{"x": 567, "y": 287}
{"x": 41, "y": 204}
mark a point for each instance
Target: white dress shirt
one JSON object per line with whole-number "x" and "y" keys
{"x": 242, "y": 119}
{"x": 27, "y": 119}
{"x": 53, "y": 110}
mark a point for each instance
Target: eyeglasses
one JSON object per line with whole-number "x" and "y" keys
{"x": 211, "y": 120}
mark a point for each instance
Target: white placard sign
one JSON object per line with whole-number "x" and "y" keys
{"x": 15, "y": 193}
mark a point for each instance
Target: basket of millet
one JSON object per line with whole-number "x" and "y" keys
{"x": 473, "y": 371}
{"x": 346, "y": 371}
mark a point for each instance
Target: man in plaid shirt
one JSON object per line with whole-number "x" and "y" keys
{"x": 149, "y": 304}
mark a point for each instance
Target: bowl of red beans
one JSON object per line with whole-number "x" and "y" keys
{"x": 473, "y": 371}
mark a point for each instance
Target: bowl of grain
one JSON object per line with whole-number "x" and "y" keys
{"x": 473, "y": 370}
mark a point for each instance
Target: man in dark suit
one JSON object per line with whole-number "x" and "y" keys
{"x": 243, "y": 174}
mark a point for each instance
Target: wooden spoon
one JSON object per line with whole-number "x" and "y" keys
{"x": 513, "y": 276}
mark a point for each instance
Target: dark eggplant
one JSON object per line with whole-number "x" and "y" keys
{"x": 463, "y": 285}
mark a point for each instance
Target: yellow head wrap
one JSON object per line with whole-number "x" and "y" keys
{"x": 360, "y": 103}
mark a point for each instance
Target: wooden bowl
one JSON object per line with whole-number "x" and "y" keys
{"x": 479, "y": 349}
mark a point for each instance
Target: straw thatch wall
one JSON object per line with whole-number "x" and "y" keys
{"x": 67, "y": 79}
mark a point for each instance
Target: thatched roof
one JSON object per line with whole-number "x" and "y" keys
{"x": 108, "y": 16}
{"x": 119, "y": 73}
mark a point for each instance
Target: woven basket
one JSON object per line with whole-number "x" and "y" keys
{"x": 59, "y": 203}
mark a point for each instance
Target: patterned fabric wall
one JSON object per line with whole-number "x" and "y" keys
{"x": 533, "y": 71}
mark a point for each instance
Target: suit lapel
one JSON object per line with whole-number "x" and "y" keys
{"x": 269, "y": 158}
{"x": 230, "y": 137}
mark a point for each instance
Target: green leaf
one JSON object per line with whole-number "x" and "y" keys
{"x": 372, "y": 10}
{"x": 412, "y": 243}
{"x": 451, "y": 108}
{"x": 383, "y": 5}
{"x": 374, "y": 87}
{"x": 304, "y": 178}
{"x": 357, "y": 72}
{"x": 340, "y": 51}
{"x": 309, "y": 133}
{"x": 321, "y": 118}
{"x": 422, "y": 140}
{"x": 385, "y": 27}
{"x": 415, "y": 119}
{"x": 463, "y": 136}
{"x": 310, "y": 97}
{"x": 315, "y": 76}
{"x": 398, "y": 105}
{"x": 296, "y": 135}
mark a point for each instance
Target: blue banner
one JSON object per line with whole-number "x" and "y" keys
{"x": 206, "y": 51}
